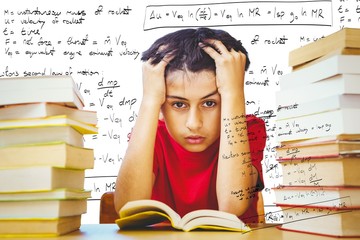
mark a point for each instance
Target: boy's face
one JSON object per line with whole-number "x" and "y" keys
{"x": 192, "y": 109}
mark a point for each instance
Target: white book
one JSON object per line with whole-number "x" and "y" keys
{"x": 40, "y": 178}
{"x": 42, "y": 209}
{"x": 41, "y": 135}
{"x": 343, "y": 121}
{"x": 318, "y": 106}
{"x": 60, "y": 89}
{"x": 339, "y": 84}
{"x": 337, "y": 64}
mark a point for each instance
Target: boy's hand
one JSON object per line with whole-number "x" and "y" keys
{"x": 230, "y": 67}
{"x": 154, "y": 88}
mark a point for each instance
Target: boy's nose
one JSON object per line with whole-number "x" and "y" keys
{"x": 194, "y": 120}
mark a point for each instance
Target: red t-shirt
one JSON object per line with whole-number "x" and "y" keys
{"x": 186, "y": 181}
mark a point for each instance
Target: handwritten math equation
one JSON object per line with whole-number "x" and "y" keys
{"x": 317, "y": 13}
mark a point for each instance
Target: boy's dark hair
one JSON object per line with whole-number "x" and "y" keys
{"x": 188, "y": 55}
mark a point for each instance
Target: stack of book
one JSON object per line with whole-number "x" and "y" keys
{"x": 42, "y": 156}
{"x": 318, "y": 132}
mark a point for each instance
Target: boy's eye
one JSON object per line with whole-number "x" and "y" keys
{"x": 179, "y": 105}
{"x": 209, "y": 104}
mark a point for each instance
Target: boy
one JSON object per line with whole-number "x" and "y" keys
{"x": 205, "y": 152}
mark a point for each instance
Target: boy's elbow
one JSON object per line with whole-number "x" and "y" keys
{"x": 117, "y": 203}
{"x": 237, "y": 209}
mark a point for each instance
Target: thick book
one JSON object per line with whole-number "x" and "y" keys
{"x": 40, "y": 178}
{"x": 334, "y": 65}
{"x": 56, "y": 154}
{"x": 327, "y": 221}
{"x": 342, "y": 121}
{"x": 58, "y": 89}
{"x": 56, "y": 194}
{"x": 336, "y": 85}
{"x": 42, "y": 208}
{"x": 344, "y": 41}
{"x": 321, "y": 171}
{"x": 60, "y": 120}
{"x": 331, "y": 138}
{"x": 142, "y": 213}
{"x": 38, "y": 228}
{"x": 41, "y": 135}
{"x": 315, "y": 196}
{"x": 320, "y": 105}
{"x": 44, "y": 109}
{"x": 333, "y": 148}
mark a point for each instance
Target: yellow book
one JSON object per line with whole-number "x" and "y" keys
{"x": 56, "y": 154}
{"x": 141, "y": 213}
{"x": 33, "y": 228}
{"x": 60, "y": 120}
{"x": 45, "y": 109}
{"x": 56, "y": 194}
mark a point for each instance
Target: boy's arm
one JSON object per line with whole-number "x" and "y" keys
{"x": 135, "y": 178}
{"x": 236, "y": 176}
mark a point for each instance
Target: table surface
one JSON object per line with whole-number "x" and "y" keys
{"x": 111, "y": 231}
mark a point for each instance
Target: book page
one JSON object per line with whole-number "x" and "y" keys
{"x": 100, "y": 43}
{"x": 209, "y": 213}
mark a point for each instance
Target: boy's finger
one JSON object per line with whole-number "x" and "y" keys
{"x": 217, "y": 45}
{"x": 168, "y": 57}
{"x": 209, "y": 50}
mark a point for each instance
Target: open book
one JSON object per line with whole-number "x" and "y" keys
{"x": 141, "y": 213}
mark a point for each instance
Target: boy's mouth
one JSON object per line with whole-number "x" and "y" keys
{"x": 195, "y": 139}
